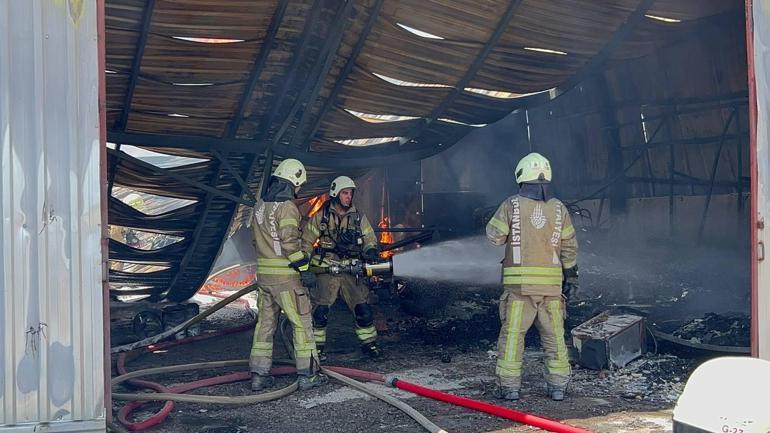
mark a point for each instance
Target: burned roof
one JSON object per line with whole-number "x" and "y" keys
{"x": 342, "y": 85}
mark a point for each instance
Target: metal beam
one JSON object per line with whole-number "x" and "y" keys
{"x": 166, "y": 172}
{"x": 686, "y": 141}
{"x": 478, "y": 62}
{"x": 196, "y": 237}
{"x": 686, "y": 182}
{"x": 342, "y": 78}
{"x": 233, "y": 129}
{"x": 672, "y": 168}
{"x": 459, "y": 88}
{"x": 267, "y": 169}
{"x": 739, "y": 156}
{"x": 278, "y": 97}
{"x": 291, "y": 72}
{"x": 136, "y": 65}
{"x": 589, "y": 68}
{"x": 193, "y": 142}
{"x": 615, "y": 161}
{"x": 320, "y": 71}
{"x": 595, "y": 63}
{"x": 234, "y": 172}
{"x": 256, "y": 70}
{"x": 353, "y": 158}
{"x": 713, "y": 176}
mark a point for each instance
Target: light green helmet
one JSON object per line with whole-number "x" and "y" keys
{"x": 134, "y": 200}
{"x": 291, "y": 170}
{"x": 533, "y": 168}
{"x": 340, "y": 183}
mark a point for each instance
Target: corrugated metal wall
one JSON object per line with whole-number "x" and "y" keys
{"x": 51, "y": 347}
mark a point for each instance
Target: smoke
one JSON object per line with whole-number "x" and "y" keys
{"x": 684, "y": 280}
{"x": 470, "y": 260}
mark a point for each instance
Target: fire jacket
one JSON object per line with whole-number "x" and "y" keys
{"x": 277, "y": 238}
{"x": 539, "y": 242}
{"x": 327, "y": 225}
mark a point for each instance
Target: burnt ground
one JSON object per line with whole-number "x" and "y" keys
{"x": 438, "y": 335}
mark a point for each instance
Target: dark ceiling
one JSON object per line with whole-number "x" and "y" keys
{"x": 343, "y": 85}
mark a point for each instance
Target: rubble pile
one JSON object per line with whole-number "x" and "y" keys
{"x": 717, "y": 329}
{"x": 652, "y": 378}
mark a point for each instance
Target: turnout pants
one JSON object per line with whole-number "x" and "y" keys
{"x": 517, "y": 314}
{"x": 355, "y": 295}
{"x": 287, "y": 294}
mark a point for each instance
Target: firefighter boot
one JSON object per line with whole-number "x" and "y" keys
{"x": 507, "y": 393}
{"x": 307, "y": 382}
{"x": 370, "y": 349}
{"x": 556, "y": 393}
{"x": 260, "y": 382}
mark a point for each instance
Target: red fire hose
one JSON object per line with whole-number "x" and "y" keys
{"x": 160, "y": 416}
{"x": 502, "y": 412}
{"x": 168, "y": 406}
{"x": 165, "y": 411}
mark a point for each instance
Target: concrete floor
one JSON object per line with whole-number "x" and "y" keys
{"x": 462, "y": 331}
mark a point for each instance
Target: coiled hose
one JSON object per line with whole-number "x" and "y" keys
{"x": 175, "y": 394}
{"x": 338, "y": 373}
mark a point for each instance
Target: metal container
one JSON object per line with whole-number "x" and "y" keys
{"x": 609, "y": 340}
{"x": 51, "y": 334}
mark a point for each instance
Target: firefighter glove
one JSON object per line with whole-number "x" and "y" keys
{"x": 570, "y": 286}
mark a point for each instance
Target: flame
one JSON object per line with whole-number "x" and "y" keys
{"x": 385, "y": 236}
{"x": 315, "y": 204}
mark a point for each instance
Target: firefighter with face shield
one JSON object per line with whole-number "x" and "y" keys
{"x": 539, "y": 268}
{"x": 280, "y": 262}
{"x": 339, "y": 232}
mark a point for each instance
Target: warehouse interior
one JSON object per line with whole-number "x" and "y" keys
{"x": 641, "y": 106}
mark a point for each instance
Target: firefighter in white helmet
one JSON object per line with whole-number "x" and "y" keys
{"x": 540, "y": 265}
{"x": 336, "y": 233}
{"x": 280, "y": 261}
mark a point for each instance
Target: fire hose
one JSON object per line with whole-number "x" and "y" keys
{"x": 480, "y": 406}
{"x": 175, "y": 394}
{"x": 502, "y": 412}
{"x": 170, "y": 395}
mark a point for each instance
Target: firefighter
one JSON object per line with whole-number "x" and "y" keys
{"x": 124, "y": 234}
{"x": 137, "y": 202}
{"x": 280, "y": 262}
{"x": 539, "y": 268}
{"x": 337, "y": 233}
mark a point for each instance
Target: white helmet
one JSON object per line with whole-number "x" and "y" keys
{"x": 291, "y": 170}
{"x": 533, "y": 168}
{"x": 340, "y": 183}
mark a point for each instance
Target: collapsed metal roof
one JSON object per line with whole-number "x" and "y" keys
{"x": 341, "y": 85}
